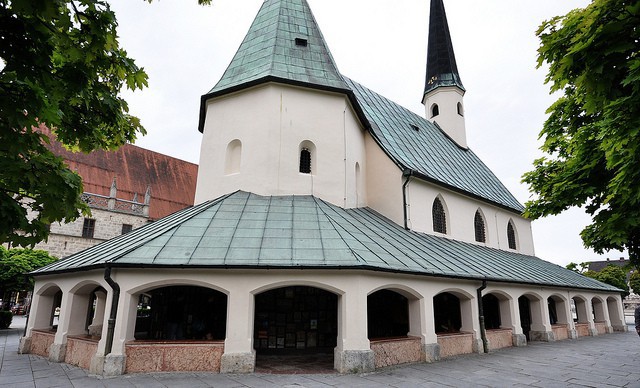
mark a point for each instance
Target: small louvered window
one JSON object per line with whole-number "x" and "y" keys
{"x": 126, "y": 228}
{"x": 439, "y": 217}
{"x": 305, "y": 161}
{"x": 301, "y": 42}
{"x": 511, "y": 236}
{"x": 478, "y": 224}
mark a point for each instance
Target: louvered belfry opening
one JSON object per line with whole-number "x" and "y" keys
{"x": 439, "y": 217}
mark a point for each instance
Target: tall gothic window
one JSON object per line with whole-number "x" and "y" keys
{"x": 305, "y": 161}
{"x": 478, "y": 224}
{"x": 439, "y": 217}
{"x": 511, "y": 236}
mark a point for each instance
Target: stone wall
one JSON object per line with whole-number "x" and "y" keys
{"x": 500, "y": 338}
{"x": 601, "y": 328}
{"x": 173, "y": 356}
{"x": 41, "y": 341}
{"x": 66, "y": 238}
{"x": 455, "y": 344}
{"x": 582, "y": 329}
{"x": 80, "y": 351}
{"x": 397, "y": 351}
{"x": 560, "y": 332}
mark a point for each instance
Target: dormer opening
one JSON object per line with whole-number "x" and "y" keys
{"x": 460, "y": 111}
{"x": 302, "y": 42}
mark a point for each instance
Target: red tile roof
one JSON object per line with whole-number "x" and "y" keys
{"x": 172, "y": 181}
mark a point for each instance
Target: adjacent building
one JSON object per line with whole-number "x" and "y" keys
{"x": 328, "y": 219}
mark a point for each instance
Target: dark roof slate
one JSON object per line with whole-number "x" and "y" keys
{"x": 246, "y": 230}
{"x": 441, "y": 60}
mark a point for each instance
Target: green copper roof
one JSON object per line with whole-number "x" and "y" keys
{"x": 246, "y": 230}
{"x": 417, "y": 144}
{"x": 284, "y": 42}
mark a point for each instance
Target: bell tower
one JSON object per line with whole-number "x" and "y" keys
{"x": 443, "y": 90}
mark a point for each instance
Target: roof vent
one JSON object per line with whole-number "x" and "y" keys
{"x": 415, "y": 127}
{"x": 301, "y": 42}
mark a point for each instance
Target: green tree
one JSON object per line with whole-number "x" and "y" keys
{"x": 62, "y": 68}
{"x": 592, "y": 135}
{"x": 634, "y": 281}
{"x": 15, "y": 264}
{"x": 613, "y": 275}
{"x": 578, "y": 267}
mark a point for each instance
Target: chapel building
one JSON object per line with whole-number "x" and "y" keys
{"x": 328, "y": 220}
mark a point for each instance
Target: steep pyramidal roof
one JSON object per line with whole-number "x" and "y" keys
{"x": 283, "y": 42}
{"x": 270, "y": 52}
{"x": 441, "y": 61}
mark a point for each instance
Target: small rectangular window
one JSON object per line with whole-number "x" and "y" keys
{"x": 126, "y": 228}
{"x": 301, "y": 42}
{"x": 88, "y": 228}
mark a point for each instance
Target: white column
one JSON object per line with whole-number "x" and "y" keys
{"x": 353, "y": 351}
{"x": 239, "y": 355}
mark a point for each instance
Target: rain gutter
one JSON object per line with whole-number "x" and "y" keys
{"x": 111, "y": 323}
{"x": 483, "y": 330}
{"x": 407, "y": 173}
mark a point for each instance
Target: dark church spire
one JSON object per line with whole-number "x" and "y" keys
{"x": 441, "y": 61}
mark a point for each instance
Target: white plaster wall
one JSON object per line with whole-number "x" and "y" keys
{"x": 384, "y": 183}
{"x": 461, "y": 211}
{"x": 272, "y": 121}
{"x": 449, "y": 120}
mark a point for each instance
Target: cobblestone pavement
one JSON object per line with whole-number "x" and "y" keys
{"x": 604, "y": 361}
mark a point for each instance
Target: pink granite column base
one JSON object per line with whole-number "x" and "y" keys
{"x": 396, "y": 351}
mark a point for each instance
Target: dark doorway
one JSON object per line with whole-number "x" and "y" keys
{"x": 491, "y": 309}
{"x": 387, "y": 315}
{"x": 295, "y": 330}
{"x": 181, "y": 313}
{"x": 524, "y": 305}
{"x": 446, "y": 313}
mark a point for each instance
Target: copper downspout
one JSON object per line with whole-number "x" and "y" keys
{"x": 111, "y": 323}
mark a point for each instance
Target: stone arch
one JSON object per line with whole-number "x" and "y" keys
{"x": 598, "y": 306}
{"x": 294, "y": 319}
{"x": 178, "y": 310}
{"x": 493, "y": 306}
{"x": 581, "y": 305}
{"x": 287, "y": 283}
{"x": 531, "y": 315}
{"x": 452, "y": 310}
{"x": 47, "y": 309}
{"x": 559, "y": 309}
{"x": 87, "y": 307}
{"x": 614, "y": 307}
{"x": 175, "y": 282}
{"x": 233, "y": 157}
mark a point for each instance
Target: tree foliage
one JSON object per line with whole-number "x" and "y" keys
{"x": 592, "y": 135}
{"x": 634, "y": 281}
{"x": 15, "y": 264}
{"x": 613, "y": 275}
{"x": 61, "y": 68}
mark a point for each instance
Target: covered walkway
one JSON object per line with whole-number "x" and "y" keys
{"x": 608, "y": 360}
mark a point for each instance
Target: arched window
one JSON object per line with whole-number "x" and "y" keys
{"x": 233, "y": 157}
{"x": 305, "y": 161}
{"x": 511, "y": 235}
{"x": 435, "y": 110}
{"x": 478, "y": 225}
{"x": 460, "y": 111}
{"x": 439, "y": 217}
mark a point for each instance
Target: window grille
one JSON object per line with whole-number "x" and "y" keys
{"x": 439, "y": 217}
{"x": 511, "y": 235}
{"x": 88, "y": 228}
{"x": 478, "y": 223}
{"x": 305, "y": 161}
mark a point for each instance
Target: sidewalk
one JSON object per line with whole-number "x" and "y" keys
{"x": 611, "y": 360}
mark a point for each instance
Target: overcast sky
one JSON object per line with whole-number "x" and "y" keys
{"x": 381, "y": 44}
